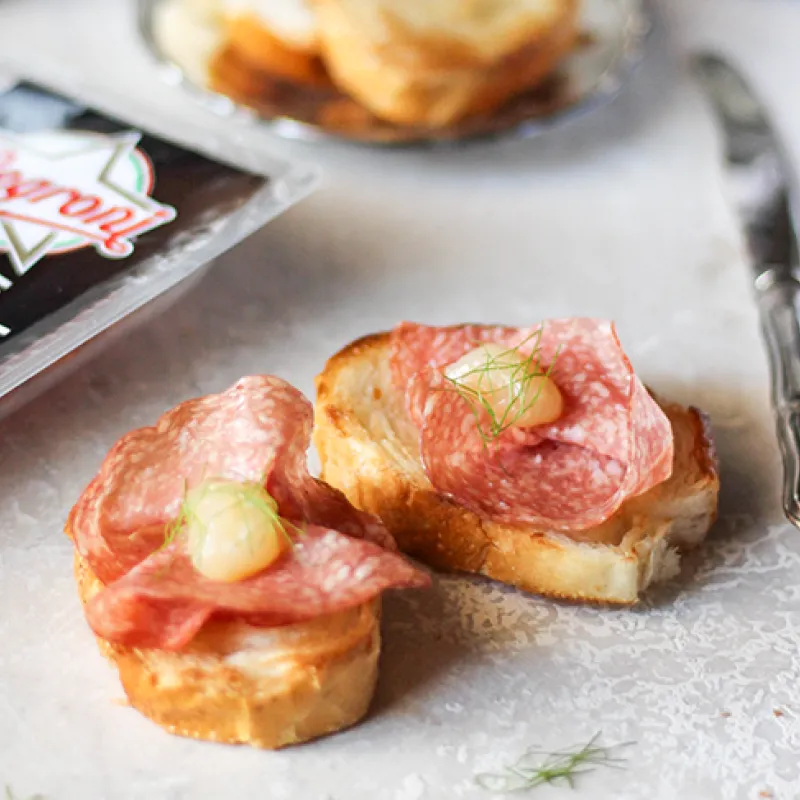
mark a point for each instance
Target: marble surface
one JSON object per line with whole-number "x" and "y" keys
{"x": 620, "y": 215}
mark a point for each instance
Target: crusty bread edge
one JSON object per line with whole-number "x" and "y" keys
{"x": 263, "y": 51}
{"x": 430, "y": 90}
{"x": 307, "y": 680}
{"x": 449, "y": 538}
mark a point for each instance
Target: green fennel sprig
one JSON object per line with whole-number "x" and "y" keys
{"x": 9, "y": 795}
{"x": 517, "y": 375}
{"x": 536, "y": 767}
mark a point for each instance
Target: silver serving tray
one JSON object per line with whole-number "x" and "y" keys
{"x": 614, "y": 34}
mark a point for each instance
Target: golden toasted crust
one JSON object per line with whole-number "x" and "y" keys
{"x": 266, "y": 687}
{"x": 346, "y": 64}
{"x": 413, "y": 75}
{"x": 249, "y": 42}
{"x": 368, "y": 449}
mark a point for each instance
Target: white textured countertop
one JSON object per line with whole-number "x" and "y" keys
{"x": 619, "y": 215}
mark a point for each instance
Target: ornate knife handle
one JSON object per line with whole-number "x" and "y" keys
{"x": 779, "y": 301}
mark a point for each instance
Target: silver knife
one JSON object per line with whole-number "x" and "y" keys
{"x": 764, "y": 191}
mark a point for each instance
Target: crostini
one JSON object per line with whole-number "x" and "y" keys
{"x": 534, "y": 456}
{"x": 238, "y": 596}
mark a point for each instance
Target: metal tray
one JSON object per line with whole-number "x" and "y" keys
{"x": 614, "y": 34}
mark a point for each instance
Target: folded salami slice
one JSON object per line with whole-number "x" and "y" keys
{"x": 164, "y": 601}
{"x": 258, "y": 430}
{"x": 612, "y": 441}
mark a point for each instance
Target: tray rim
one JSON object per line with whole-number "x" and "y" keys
{"x": 637, "y": 32}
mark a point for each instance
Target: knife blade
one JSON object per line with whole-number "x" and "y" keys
{"x": 764, "y": 192}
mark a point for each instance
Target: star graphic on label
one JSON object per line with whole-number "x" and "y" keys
{"x": 64, "y": 190}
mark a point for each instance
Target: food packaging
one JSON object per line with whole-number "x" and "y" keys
{"x": 100, "y": 218}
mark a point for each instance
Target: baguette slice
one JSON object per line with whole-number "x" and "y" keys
{"x": 368, "y": 449}
{"x": 278, "y": 38}
{"x": 266, "y": 687}
{"x": 259, "y": 49}
{"x": 275, "y": 38}
{"x": 431, "y": 64}
{"x": 292, "y": 22}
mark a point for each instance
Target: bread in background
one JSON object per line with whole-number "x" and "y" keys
{"x": 425, "y": 65}
{"x": 431, "y": 64}
{"x": 368, "y": 448}
{"x": 279, "y": 38}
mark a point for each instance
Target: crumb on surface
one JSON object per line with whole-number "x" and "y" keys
{"x": 778, "y": 712}
{"x": 725, "y": 714}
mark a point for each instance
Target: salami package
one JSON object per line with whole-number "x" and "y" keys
{"x": 99, "y": 218}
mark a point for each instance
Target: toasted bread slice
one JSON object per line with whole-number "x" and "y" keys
{"x": 427, "y": 64}
{"x": 276, "y": 37}
{"x": 266, "y": 687}
{"x": 260, "y": 50}
{"x": 292, "y": 22}
{"x": 368, "y": 449}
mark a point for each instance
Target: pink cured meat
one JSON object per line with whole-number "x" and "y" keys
{"x": 612, "y": 441}
{"x": 418, "y": 349}
{"x": 164, "y": 601}
{"x": 258, "y": 430}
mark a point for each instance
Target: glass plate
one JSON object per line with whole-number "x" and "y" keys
{"x": 613, "y": 40}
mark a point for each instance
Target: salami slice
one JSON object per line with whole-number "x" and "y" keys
{"x": 258, "y": 430}
{"x": 611, "y": 442}
{"x": 419, "y": 349}
{"x": 164, "y": 601}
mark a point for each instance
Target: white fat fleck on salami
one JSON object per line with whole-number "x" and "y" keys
{"x": 258, "y": 430}
{"x": 611, "y": 442}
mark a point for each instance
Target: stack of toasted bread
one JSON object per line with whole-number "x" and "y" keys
{"x": 421, "y": 63}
